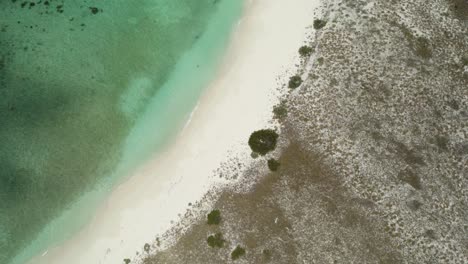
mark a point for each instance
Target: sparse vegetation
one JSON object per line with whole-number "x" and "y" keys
{"x": 146, "y": 247}
{"x": 305, "y": 51}
{"x": 465, "y": 60}
{"x": 127, "y": 261}
{"x": 263, "y": 141}
{"x": 237, "y": 253}
{"x": 214, "y": 217}
{"x": 411, "y": 178}
{"x": 280, "y": 111}
{"x": 319, "y": 24}
{"x": 460, "y": 8}
{"x": 215, "y": 240}
{"x": 273, "y": 164}
{"x": 320, "y": 61}
{"x": 423, "y": 49}
{"x": 266, "y": 254}
{"x": 295, "y": 81}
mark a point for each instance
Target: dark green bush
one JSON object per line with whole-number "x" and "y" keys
{"x": 295, "y": 81}
{"x": 126, "y": 261}
{"x": 215, "y": 240}
{"x": 305, "y": 51}
{"x": 237, "y": 253}
{"x": 214, "y": 217}
{"x": 273, "y": 164}
{"x": 319, "y": 24}
{"x": 263, "y": 141}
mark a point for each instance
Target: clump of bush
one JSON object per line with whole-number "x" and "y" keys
{"x": 147, "y": 247}
{"x": 305, "y": 51}
{"x": 254, "y": 155}
{"x": 319, "y": 23}
{"x": 295, "y": 81}
{"x": 267, "y": 254}
{"x": 423, "y": 49}
{"x": 237, "y": 253}
{"x": 320, "y": 61}
{"x": 215, "y": 240}
{"x": 214, "y": 217}
{"x": 273, "y": 164}
{"x": 126, "y": 261}
{"x": 465, "y": 60}
{"x": 263, "y": 141}
{"x": 280, "y": 111}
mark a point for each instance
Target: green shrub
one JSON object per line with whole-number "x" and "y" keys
{"x": 305, "y": 51}
{"x": 126, "y": 261}
{"x": 237, "y": 253}
{"x": 280, "y": 111}
{"x": 295, "y": 81}
{"x": 147, "y": 247}
{"x": 423, "y": 49}
{"x": 273, "y": 164}
{"x": 215, "y": 240}
{"x": 214, "y": 217}
{"x": 465, "y": 60}
{"x": 320, "y": 61}
{"x": 319, "y": 24}
{"x": 263, "y": 141}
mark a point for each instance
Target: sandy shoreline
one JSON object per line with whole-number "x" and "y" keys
{"x": 238, "y": 101}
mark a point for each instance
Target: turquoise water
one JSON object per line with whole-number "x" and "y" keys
{"x": 88, "y": 91}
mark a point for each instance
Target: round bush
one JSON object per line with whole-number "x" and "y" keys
{"x": 214, "y": 217}
{"x": 295, "y": 81}
{"x": 263, "y": 141}
{"x": 215, "y": 240}
{"x": 305, "y": 51}
{"x": 273, "y": 164}
{"x": 237, "y": 253}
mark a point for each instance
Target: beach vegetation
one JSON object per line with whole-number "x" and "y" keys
{"x": 237, "y": 253}
{"x": 215, "y": 240}
{"x": 319, "y": 24}
{"x": 214, "y": 217}
{"x": 280, "y": 111}
{"x": 320, "y": 61}
{"x": 127, "y": 261}
{"x": 263, "y": 141}
{"x": 295, "y": 81}
{"x": 146, "y": 247}
{"x": 423, "y": 49}
{"x": 273, "y": 164}
{"x": 460, "y": 8}
{"x": 266, "y": 254}
{"x": 305, "y": 51}
{"x": 465, "y": 60}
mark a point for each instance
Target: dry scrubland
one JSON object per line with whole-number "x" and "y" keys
{"x": 373, "y": 150}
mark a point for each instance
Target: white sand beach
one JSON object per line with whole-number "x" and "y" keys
{"x": 238, "y": 101}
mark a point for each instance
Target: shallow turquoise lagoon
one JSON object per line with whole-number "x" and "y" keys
{"x": 88, "y": 91}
